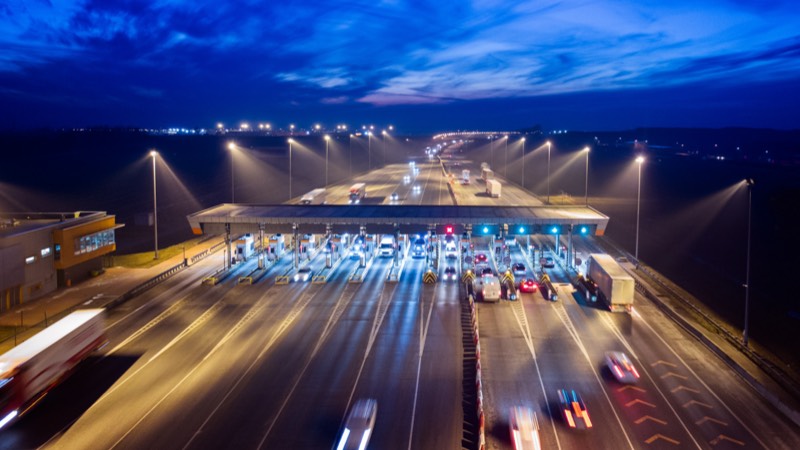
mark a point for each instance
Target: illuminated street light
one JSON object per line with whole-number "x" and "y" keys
{"x": 391, "y": 127}
{"x": 640, "y": 160}
{"x": 291, "y": 128}
{"x": 244, "y": 126}
{"x": 746, "y": 335}
{"x": 327, "y": 141}
{"x": 154, "y": 155}
{"x": 523, "y": 163}
{"x": 350, "y": 157}
{"x": 232, "y": 147}
{"x": 317, "y": 127}
{"x": 383, "y": 151}
{"x": 369, "y": 149}
{"x": 586, "y": 195}
{"x": 548, "y": 172}
{"x": 219, "y": 125}
{"x": 291, "y": 141}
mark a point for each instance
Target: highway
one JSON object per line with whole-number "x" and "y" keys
{"x": 192, "y": 366}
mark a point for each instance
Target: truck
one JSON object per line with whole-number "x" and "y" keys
{"x": 315, "y": 197}
{"x": 493, "y": 188}
{"x": 357, "y": 193}
{"x": 386, "y": 247}
{"x": 30, "y": 370}
{"x": 614, "y": 286}
{"x": 465, "y": 176}
{"x": 487, "y": 174}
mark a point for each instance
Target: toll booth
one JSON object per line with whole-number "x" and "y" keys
{"x": 245, "y": 247}
{"x": 370, "y": 244}
{"x": 402, "y": 244}
{"x": 334, "y": 248}
{"x": 276, "y": 246}
{"x": 307, "y": 245}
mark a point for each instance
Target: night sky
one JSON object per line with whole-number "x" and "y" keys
{"x": 422, "y": 66}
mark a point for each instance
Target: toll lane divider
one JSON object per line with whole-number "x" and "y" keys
{"x": 318, "y": 279}
{"x": 282, "y": 279}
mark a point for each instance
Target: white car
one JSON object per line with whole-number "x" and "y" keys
{"x": 524, "y": 427}
{"x": 358, "y": 427}
{"x": 303, "y": 274}
{"x": 621, "y": 367}
{"x": 417, "y": 189}
{"x": 394, "y": 197}
{"x": 406, "y": 179}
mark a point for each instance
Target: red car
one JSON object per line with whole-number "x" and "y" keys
{"x": 528, "y": 285}
{"x": 480, "y": 257}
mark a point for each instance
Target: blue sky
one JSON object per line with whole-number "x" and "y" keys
{"x": 424, "y": 66}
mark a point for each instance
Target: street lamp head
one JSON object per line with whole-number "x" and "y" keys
{"x": 640, "y": 159}
{"x": 548, "y": 143}
{"x": 153, "y": 153}
{"x": 231, "y": 146}
{"x": 391, "y": 127}
{"x": 750, "y": 181}
{"x": 327, "y": 138}
{"x": 290, "y": 140}
{"x": 586, "y": 149}
{"x": 523, "y": 139}
{"x": 383, "y": 132}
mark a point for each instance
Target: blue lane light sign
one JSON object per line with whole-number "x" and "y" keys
{"x": 554, "y": 230}
{"x": 521, "y": 230}
{"x": 584, "y": 230}
{"x": 485, "y": 229}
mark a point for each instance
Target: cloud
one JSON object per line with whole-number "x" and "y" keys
{"x": 335, "y": 100}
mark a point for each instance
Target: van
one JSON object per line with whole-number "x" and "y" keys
{"x": 387, "y": 246}
{"x": 488, "y": 288}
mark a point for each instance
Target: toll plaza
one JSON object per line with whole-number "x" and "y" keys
{"x": 333, "y": 228}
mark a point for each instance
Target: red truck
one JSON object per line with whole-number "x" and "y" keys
{"x": 31, "y": 369}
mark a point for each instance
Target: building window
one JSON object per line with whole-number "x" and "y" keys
{"x": 30, "y": 260}
{"x": 45, "y": 252}
{"x": 58, "y": 252}
{"x": 94, "y": 241}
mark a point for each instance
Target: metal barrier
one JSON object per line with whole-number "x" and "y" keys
{"x": 282, "y": 279}
{"x": 145, "y": 286}
{"x": 355, "y": 278}
{"x": 319, "y": 279}
{"x": 245, "y": 280}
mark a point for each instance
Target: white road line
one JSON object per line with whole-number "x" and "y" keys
{"x": 423, "y": 334}
{"x": 529, "y": 340}
{"x": 711, "y": 391}
{"x": 594, "y": 373}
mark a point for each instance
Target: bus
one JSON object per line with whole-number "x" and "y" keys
{"x": 357, "y": 192}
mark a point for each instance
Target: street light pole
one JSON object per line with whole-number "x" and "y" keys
{"x": 291, "y": 141}
{"x": 491, "y": 148}
{"x": 383, "y": 150}
{"x": 548, "y": 172}
{"x": 523, "y": 163}
{"x": 640, "y": 160}
{"x": 231, "y": 147}
{"x": 327, "y": 141}
{"x": 369, "y": 150}
{"x": 505, "y": 166}
{"x": 746, "y": 334}
{"x": 586, "y": 195}
{"x": 154, "y": 154}
{"x": 350, "y": 166}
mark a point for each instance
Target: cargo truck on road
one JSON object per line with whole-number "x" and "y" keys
{"x": 613, "y": 285}
{"x": 493, "y": 188}
{"x": 30, "y": 370}
{"x": 315, "y": 197}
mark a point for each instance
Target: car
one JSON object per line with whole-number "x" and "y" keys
{"x": 480, "y": 257}
{"x": 417, "y": 189}
{"x": 359, "y": 424}
{"x": 528, "y": 285}
{"x": 621, "y": 367}
{"x": 518, "y": 269}
{"x": 548, "y": 262}
{"x": 450, "y": 273}
{"x": 573, "y": 409}
{"x": 486, "y": 271}
{"x": 406, "y": 179}
{"x": 524, "y": 427}
{"x": 303, "y": 274}
{"x": 394, "y": 197}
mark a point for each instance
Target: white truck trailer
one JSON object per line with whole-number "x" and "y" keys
{"x": 30, "y": 370}
{"x": 487, "y": 174}
{"x": 315, "y": 197}
{"x": 614, "y": 286}
{"x": 465, "y": 176}
{"x": 493, "y": 188}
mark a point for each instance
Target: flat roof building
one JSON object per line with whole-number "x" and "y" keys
{"x": 41, "y": 251}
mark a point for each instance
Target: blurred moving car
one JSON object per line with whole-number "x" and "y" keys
{"x": 485, "y": 271}
{"x": 394, "y": 197}
{"x": 518, "y": 269}
{"x": 621, "y": 367}
{"x": 548, "y": 262}
{"x": 528, "y": 285}
{"x": 524, "y": 427}
{"x": 358, "y": 426}
{"x": 303, "y": 274}
{"x": 480, "y": 257}
{"x": 450, "y": 273}
{"x": 573, "y": 409}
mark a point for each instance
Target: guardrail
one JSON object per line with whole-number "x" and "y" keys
{"x": 319, "y": 279}
{"x": 146, "y": 285}
{"x": 282, "y": 279}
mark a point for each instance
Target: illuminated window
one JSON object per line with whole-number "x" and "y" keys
{"x": 94, "y": 241}
{"x": 45, "y": 252}
{"x": 30, "y": 259}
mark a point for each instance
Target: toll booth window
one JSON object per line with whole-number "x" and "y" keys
{"x": 94, "y": 241}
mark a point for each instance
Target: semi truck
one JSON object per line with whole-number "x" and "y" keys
{"x": 613, "y": 285}
{"x": 465, "y": 176}
{"x": 30, "y": 370}
{"x": 493, "y": 188}
{"x": 357, "y": 193}
{"x": 315, "y": 197}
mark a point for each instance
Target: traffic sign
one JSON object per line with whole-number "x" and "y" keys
{"x": 429, "y": 277}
